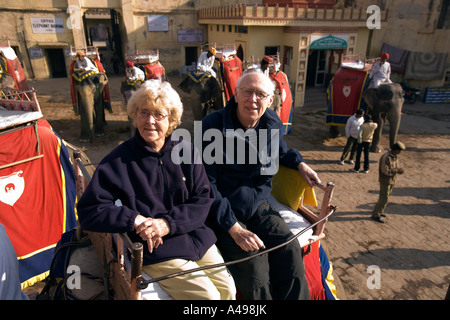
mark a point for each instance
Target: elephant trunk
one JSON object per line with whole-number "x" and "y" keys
{"x": 86, "y": 104}
{"x": 394, "y": 124}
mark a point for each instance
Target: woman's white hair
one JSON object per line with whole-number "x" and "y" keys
{"x": 157, "y": 95}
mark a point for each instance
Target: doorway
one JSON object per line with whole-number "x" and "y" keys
{"x": 317, "y": 68}
{"x": 56, "y": 63}
{"x": 191, "y": 56}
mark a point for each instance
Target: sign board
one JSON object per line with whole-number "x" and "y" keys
{"x": 158, "y": 22}
{"x": 35, "y": 52}
{"x": 190, "y": 35}
{"x": 437, "y": 95}
{"x": 328, "y": 42}
{"x": 47, "y": 25}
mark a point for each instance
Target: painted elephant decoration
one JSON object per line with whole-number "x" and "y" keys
{"x": 7, "y": 81}
{"x": 385, "y": 103}
{"x": 91, "y": 106}
{"x": 205, "y": 92}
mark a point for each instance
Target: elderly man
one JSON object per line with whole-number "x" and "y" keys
{"x": 241, "y": 216}
{"x": 133, "y": 73}
{"x": 381, "y": 71}
{"x": 206, "y": 61}
{"x": 84, "y": 64}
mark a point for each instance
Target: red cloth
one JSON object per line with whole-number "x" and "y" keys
{"x": 32, "y": 206}
{"x": 14, "y": 68}
{"x": 313, "y": 273}
{"x": 232, "y": 71}
{"x": 155, "y": 71}
{"x": 347, "y": 88}
{"x": 282, "y": 82}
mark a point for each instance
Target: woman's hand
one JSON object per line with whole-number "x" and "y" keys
{"x": 151, "y": 230}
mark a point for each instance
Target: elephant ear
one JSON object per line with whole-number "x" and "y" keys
{"x": 385, "y": 92}
{"x": 186, "y": 85}
{"x": 211, "y": 89}
{"x": 370, "y": 97}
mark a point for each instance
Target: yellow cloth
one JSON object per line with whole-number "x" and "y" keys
{"x": 288, "y": 187}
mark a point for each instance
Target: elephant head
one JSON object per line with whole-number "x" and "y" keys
{"x": 91, "y": 106}
{"x": 205, "y": 92}
{"x": 7, "y": 81}
{"x": 385, "y": 103}
{"x": 127, "y": 89}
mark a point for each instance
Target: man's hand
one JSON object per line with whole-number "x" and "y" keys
{"x": 246, "y": 240}
{"x": 308, "y": 174}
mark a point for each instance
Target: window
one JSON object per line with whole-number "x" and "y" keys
{"x": 444, "y": 16}
{"x": 271, "y": 51}
{"x": 241, "y": 29}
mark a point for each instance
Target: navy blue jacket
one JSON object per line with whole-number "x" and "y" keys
{"x": 241, "y": 183}
{"x": 134, "y": 179}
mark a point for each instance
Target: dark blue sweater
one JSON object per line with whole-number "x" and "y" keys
{"x": 149, "y": 183}
{"x": 241, "y": 187}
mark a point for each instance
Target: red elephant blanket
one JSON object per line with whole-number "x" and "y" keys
{"x": 37, "y": 197}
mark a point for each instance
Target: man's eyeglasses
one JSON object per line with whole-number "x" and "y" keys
{"x": 145, "y": 114}
{"x": 247, "y": 93}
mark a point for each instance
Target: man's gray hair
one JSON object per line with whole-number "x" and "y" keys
{"x": 269, "y": 84}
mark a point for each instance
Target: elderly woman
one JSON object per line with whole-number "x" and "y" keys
{"x": 138, "y": 189}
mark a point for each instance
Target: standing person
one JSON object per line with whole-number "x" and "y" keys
{"x": 139, "y": 189}
{"x": 388, "y": 170}
{"x": 381, "y": 71}
{"x": 352, "y": 132}
{"x": 364, "y": 140}
{"x": 241, "y": 216}
{"x": 115, "y": 60}
{"x": 206, "y": 60}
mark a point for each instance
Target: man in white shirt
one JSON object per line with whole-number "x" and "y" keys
{"x": 133, "y": 73}
{"x": 84, "y": 64}
{"x": 265, "y": 65}
{"x": 352, "y": 132}
{"x": 206, "y": 61}
{"x": 381, "y": 71}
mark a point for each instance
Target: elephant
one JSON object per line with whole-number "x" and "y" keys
{"x": 127, "y": 89}
{"x": 384, "y": 103}
{"x": 7, "y": 81}
{"x": 206, "y": 93}
{"x": 89, "y": 92}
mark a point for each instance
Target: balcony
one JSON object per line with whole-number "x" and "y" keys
{"x": 287, "y": 15}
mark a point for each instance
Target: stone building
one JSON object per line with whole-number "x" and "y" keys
{"x": 310, "y": 35}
